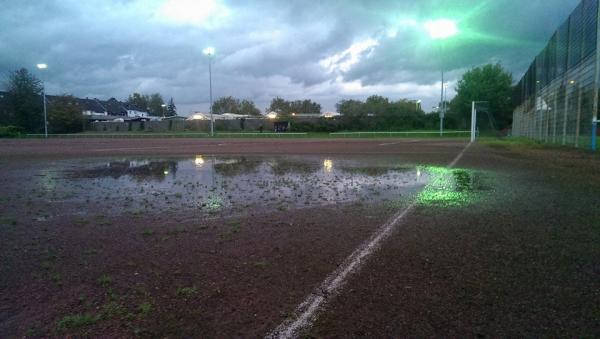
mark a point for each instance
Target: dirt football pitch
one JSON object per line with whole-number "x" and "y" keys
{"x": 203, "y": 238}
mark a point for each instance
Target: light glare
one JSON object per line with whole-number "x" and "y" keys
{"x": 208, "y": 51}
{"x": 42, "y": 66}
{"x": 441, "y": 29}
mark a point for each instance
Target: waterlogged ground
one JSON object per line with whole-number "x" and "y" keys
{"x": 190, "y": 246}
{"x": 212, "y": 184}
{"x": 217, "y": 185}
{"x": 150, "y": 245}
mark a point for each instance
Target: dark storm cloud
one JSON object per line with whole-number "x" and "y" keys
{"x": 325, "y": 50}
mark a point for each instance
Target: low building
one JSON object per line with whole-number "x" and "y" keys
{"x": 224, "y": 116}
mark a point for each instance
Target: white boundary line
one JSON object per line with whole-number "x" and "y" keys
{"x": 306, "y": 313}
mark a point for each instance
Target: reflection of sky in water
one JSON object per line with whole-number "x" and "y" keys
{"x": 213, "y": 184}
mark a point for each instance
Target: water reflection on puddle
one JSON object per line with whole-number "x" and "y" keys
{"x": 215, "y": 183}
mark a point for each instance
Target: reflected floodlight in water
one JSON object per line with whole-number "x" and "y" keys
{"x": 328, "y": 165}
{"x": 199, "y": 161}
{"x": 166, "y": 172}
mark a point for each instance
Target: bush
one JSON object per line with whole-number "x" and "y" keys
{"x": 10, "y": 131}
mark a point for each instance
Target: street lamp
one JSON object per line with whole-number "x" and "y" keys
{"x": 164, "y": 107}
{"x": 210, "y": 51}
{"x": 440, "y": 30}
{"x": 42, "y": 67}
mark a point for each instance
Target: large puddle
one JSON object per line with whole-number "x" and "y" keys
{"x": 236, "y": 184}
{"x": 213, "y": 183}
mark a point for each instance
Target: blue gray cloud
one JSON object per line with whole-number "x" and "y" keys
{"x": 326, "y": 51}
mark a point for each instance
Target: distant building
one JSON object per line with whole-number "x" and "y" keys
{"x": 98, "y": 110}
{"x": 224, "y": 116}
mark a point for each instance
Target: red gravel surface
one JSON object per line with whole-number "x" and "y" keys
{"x": 521, "y": 260}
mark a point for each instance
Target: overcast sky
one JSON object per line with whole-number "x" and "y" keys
{"x": 322, "y": 50}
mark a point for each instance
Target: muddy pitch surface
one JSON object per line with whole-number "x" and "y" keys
{"x": 224, "y": 238}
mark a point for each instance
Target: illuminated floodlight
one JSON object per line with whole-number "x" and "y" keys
{"x": 441, "y": 29}
{"x": 272, "y": 115}
{"x": 199, "y": 161}
{"x": 210, "y": 51}
{"x": 42, "y": 66}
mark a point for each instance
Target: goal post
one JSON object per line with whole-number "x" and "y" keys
{"x": 473, "y": 120}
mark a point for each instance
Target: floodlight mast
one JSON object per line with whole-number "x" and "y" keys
{"x": 440, "y": 30}
{"x": 43, "y": 67}
{"x": 209, "y": 52}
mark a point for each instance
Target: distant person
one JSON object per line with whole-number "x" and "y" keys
{"x": 260, "y": 128}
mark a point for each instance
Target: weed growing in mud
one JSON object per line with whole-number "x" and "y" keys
{"x": 186, "y": 292}
{"x": 105, "y": 280}
{"x": 9, "y": 221}
{"x": 57, "y": 278}
{"x": 234, "y": 227}
{"x": 147, "y": 232}
{"x": 112, "y": 309}
{"x": 74, "y": 321}
{"x": 261, "y": 264}
{"x": 145, "y": 308}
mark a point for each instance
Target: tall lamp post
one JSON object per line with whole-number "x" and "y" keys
{"x": 440, "y": 30}
{"x": 42, "y": 67}
{"x": 210, "y": 52}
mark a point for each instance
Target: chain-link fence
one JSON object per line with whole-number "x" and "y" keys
{"x": 557, "y": 98}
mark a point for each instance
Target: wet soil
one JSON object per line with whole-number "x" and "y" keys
{"x": 523, "y": 262}
{"x": 505, "y": 245}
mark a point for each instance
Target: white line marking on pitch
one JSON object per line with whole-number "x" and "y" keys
{"x": 306, "y": 312}
{"x": 399, "y": 142}
{"x": 128, "y": 149}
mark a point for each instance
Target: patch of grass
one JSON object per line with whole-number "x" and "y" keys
{"x": 105, "y": 280}
{"x": 90, "y": 251}
{"x": 186, "y": 292}
{"x": 261, "y": 264}
{"x": 145, "y": 308}
{"x": 57, "y": 278}
{"x": 112, "y": 309}
{"x": 10, "y": 221}
{"x": 233, "y": 228}
{"x": 75, "y": 321}
{"x": 147, "y": 232}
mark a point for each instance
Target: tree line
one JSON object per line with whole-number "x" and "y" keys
{"x": 23, "y": 107}
{"x": 153, "y": 104}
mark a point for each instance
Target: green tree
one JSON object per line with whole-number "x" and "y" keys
{"x": 226, "y": 105}
{"x": 140, "y": 101}
{"x": 24, "y": 102}
{"x": 171, "y": 108}
{"x": 247, "y": 107}
{"x": 155, "y": 105}
{"x": 489, "y": 83}
{"x": 304, "y": 106}
{"x": 376, "y": 105}
{"x": 64, "y": 115}
{"x": 350, "y": 108}
{"x": 280, "y": 106}
{"x": 236, "y": 106}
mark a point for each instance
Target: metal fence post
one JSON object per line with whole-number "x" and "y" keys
{"x": 594, "y": 133}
